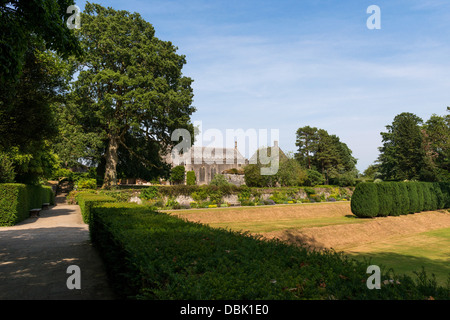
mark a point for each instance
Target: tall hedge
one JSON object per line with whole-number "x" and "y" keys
{"x": 420, "y": 195}
{"x": 440, "y": 200}
{"x": 385, "y": 199}
{"x": 445, "y": 189}
{"x": 364, "y": 202}
{"x": 17, "y": 199}
{"x": 404, "y": 199}
{"x": 413, "y": 197}
{"x": 427, "y": 201}
{"x": 398, "y": 198}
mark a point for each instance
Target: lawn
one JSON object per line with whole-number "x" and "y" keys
{"x": 404, "y": 243}
{"x": 408, "y": 254}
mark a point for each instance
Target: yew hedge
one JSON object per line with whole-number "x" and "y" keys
{"x": 399, "y": 198}
{"x": 17, "y": 199}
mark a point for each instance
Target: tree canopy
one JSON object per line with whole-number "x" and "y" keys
{"x": 130, "y": 87}
{"x": 319, "y": 150}
{"x": 414, "y": 150}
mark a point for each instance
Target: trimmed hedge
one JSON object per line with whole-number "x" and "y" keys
{"x": 399, "y": 198}
{"x": 87, "y": 200}
{"x": 153, "y": 255}
{"x": 365, "y": 203}
{"x": 17, "y": 199}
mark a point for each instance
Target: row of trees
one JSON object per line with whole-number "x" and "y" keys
{"x": 414, "y": 150}
{"x": 107, "y": 95}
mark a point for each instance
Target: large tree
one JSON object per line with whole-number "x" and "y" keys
{"x": 436, "y": 135}
{"x": 130, "y": 85}
{"x": 326, "y": 153}
{"x": 308, "y": 143}
{"x": 28, "y": 121}
{"x": 402, "y": 154}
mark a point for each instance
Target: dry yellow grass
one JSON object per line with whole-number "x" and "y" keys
{"x": 320, "y": 225}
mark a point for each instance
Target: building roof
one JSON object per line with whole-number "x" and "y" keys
{"x": 211, "y": 155}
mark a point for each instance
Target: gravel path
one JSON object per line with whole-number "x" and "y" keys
{"x": 35, "y": 255}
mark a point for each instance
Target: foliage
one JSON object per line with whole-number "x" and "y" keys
{"x": 314, "y": 178}
{"x": 413, "y": 197}
{"x": 43, "y": 19}
{"x": 87, "y": 200}
{"x": 319, "y": 150}
{"x": 398, "y": 198}
{"x": 364, "y": 202}
{"x": 130, "y": 89}
{"x": 177, "y": 174}
{"x": 413, "y": 150}
{"x": 7, "y": 173}
{"x": 290, "y": 172}
{"x": 17, "y": 199}
{"x": 193, "y": 261}
{"x": 86, "y": 184}
{"x": 436, "y": 142}
{"x": 27, "y": 117}
{"x": 191, "y": 179}
{"x": 150, "y": 193}
{"x": 219, "y": 180}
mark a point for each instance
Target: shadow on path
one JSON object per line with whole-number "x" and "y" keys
{"x": 35, "y": 255}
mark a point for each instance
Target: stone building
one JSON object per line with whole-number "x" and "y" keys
{"x": 206, "y": 162}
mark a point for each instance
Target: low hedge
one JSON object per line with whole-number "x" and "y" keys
{"x": 17, "y": 199}
{"x": 86, "y": 200}
{"x": 399, "y": 198}
{"x": 153, "y": 255}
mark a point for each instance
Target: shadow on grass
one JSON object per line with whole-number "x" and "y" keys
{"x": 407, "y": 264}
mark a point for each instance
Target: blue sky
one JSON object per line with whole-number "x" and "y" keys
{"x": 287, "y": 64}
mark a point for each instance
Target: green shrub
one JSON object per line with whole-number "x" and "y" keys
{"x": 191, "y": 179}
{"x": 177, "y": 174}
{"x": 279, "y": 197}
{"x": 364, "y": 203}
{"x": 86, "y": 184}
{"x": 150, "y": 193}
{"x": 314, "y": 178}
{"x": 219, "y": 180}
{"x": 151, "y": 255}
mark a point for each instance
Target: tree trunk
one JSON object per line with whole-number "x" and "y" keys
{"x": 112, "y": 159}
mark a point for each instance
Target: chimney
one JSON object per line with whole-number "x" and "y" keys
{"x": 275, "y": 144}
{"x": 235, "y": 145}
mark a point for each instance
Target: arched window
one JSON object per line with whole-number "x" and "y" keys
{"x": 213, "y": 172}
{"x": 202, "y": 174}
